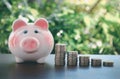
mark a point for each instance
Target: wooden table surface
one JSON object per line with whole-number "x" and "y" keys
{"x": 10, "y": 70}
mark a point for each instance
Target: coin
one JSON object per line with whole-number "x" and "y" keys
{"x": 108, "y": 63}
{"x": 60, "y": 51}
{"x": 83, "y": 61}
{"x": 59, "y": 62}
{"x": 96, "y": 62}
{"x": 72, "y": 58}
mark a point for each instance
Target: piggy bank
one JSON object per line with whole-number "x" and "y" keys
{"x": 30, "y": 41}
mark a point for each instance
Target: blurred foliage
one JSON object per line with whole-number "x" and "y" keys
{"x": 88, "y": 26}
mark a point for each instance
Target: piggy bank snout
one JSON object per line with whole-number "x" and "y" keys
{"x": 30, "y": 45}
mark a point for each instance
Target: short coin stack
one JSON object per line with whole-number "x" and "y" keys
{"x": 60, "y": 50}
{"x": 108, "y": 63}
{"x": 72, "y": 58}
{"x": 96, "y": 62}
{"x": 84, "y": 61}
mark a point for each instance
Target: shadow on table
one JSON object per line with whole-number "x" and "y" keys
{"x": 30, "y": 71}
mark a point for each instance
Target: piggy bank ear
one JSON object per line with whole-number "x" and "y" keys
{"x": 42, "y": 23}
{"x": 18, "y": 24}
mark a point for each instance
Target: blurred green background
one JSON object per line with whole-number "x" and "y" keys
{"x": 88, "y": 26}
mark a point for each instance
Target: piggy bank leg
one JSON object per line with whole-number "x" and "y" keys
{"x": 19, "y": 60}
{"x": 41, "y": 60}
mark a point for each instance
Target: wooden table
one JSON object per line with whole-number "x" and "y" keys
{"x": 10, "y": 70}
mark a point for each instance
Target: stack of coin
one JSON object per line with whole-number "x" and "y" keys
{"x": 108, "y": 63}
{"x": 60, "y": 50}
{"x": 84, "y": 61}
{"x": 72, "y": 58}
{"x": 96, "y": 62}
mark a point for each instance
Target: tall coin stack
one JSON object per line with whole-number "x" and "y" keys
{"x": 72, "y": 58}
{"x": 60, "y": 50}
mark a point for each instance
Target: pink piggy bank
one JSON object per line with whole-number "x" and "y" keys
{"x": 30, "y": 41}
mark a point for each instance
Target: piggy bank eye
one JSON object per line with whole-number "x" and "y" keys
{"x": 36, "y": 31}
{"x": 25, "y": 31}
